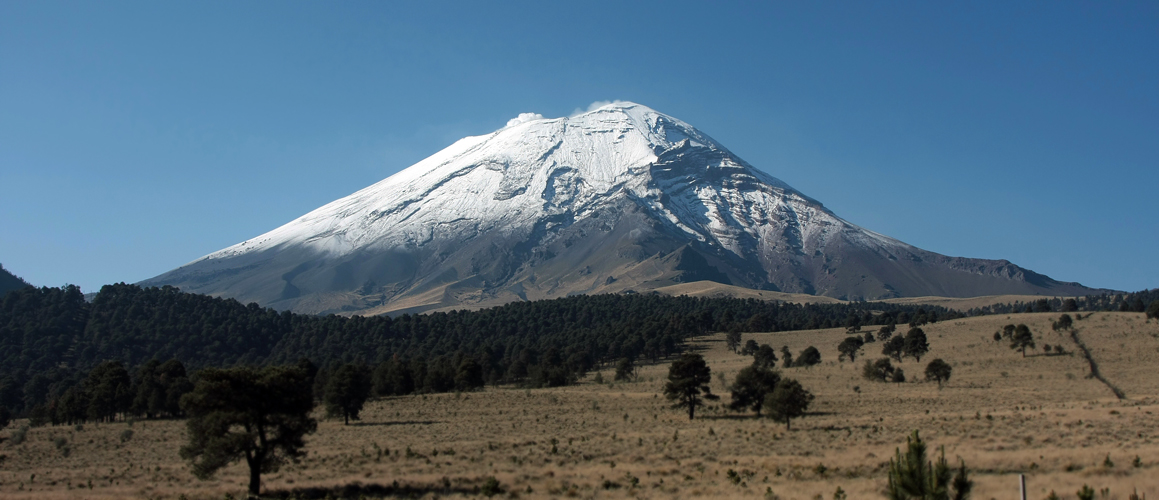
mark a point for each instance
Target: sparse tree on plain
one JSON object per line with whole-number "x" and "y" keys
{"x": 894, "y": 348}
{"x": 261, "y": 416}
{"x": 752, "y": 384}
{"x": 347, "y": 390}
{"x": 625, "y": 370}
{"x": 733, "y": 339}
{"x": 877, "y": 371}
{"x": 1153, "y": 310}
{"x": 1008, "y": 331}
{"x": 808, "y": 357}
{"x": 869, "y": 338}
{"x": 1065, "y": 322}
{"x": 786, "y": 357}
{"x": 938, "y": 370}
{"x": 916, "y": 344}
{"x": 765, "y": 357}
{"x": 886, "y": 332}
{"x": 688, "y": 380}
{"x": 787, "y": 401}
{"x": 849, "y": 348}
{"x": 1022, "y": 339}
{"x": 997, "y": 336}
{"x": 750, "y": 347}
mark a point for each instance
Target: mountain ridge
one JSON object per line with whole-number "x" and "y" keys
{"x": 621, "y": 198}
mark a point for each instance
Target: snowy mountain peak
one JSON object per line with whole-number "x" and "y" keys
{"x": 618, "y": 197}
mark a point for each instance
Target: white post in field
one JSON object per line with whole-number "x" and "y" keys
{"x": 1022, "y": 485}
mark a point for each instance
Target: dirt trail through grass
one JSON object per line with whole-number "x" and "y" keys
{"x": 1074, "y": 335}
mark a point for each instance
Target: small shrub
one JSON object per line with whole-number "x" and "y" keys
{"x": 19, "y": 435}
{"x": 1086, "y": 493}
{"x": 491, "y": 487}
{"x": 1107, "y": 462}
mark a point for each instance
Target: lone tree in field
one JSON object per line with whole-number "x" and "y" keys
{"x": 750, "y": 347}
{"x": 259, "y": 415}
{"x": 849, "y": 348}
{"x": 809, "y": 357}
{"x": 878, "y": 371}
{"x": 1008, "y": 331}
{"x": 765, "y": 357}
{"x": 938, "y": 370}
{"x": 1065, "y": 322}
{"x": 625, "y": 369}
{"x": 886, "y": 332}
{"x": 1153, "y": 310}
{"x": 688, "y": 380}
{"x": 787, "y": 401}
{"x": 916, "y": 344}
{"x": 733, "y": 338}
{"x": 752, "y": 384}
{"x": 913, "y": 477}
{"x": 346, "y": 391}
{"x": 786, "y": 357}
{"x": 894, "y": 348}
{"x": 1022, "y": 339}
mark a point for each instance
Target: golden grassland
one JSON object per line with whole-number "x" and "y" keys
{"x": 1003, "y": 414}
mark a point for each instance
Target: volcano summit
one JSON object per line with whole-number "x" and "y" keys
{"x": 619, "y": 198}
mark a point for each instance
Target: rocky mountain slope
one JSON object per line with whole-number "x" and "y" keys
{"x": 616, "y": 199}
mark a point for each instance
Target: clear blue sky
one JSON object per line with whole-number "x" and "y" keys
{"x": 138, "y": 136}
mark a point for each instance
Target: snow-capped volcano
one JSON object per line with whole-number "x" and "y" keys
{"x": 621, "y": 197}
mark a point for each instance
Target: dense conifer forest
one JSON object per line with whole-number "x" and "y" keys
{"x": 130, "y": 347}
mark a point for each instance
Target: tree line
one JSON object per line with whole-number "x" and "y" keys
{"x": 50, "y": 338}
{"x": 1141, "y": 301}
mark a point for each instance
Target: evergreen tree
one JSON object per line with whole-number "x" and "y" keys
{"x": 111, "y": 391}
{"x": 849, "y": 348}
{"x": 1022, "y": 339}
{"x": 938, "y": 370}
{"x": 751, "y": 386}
{"x": 787, "y": 401}
{"x": 260, "y": 416}
{"x": 912, "y": 477}
{"x": 469, "y": 376}
{"x": 347, "y": 390}
{"x": 750, "y": 348}
{"x": 733, "y": 339}
{"x": 894, "y": 348}
{"x": 765, "y": 357}
{"x": 916, "y": 344}
{"x": 878, "y": 371}
{"x": 625, "y": 370}
{"x": 886, "y": 332}
{"x": 786, "y": 357}
{"x": 808, "y": 357}
{"x": 688, "y": 380}
{"x": 1153, "y": 309}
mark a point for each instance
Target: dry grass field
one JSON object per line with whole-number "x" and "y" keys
{"x": 1004, "y": 415}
